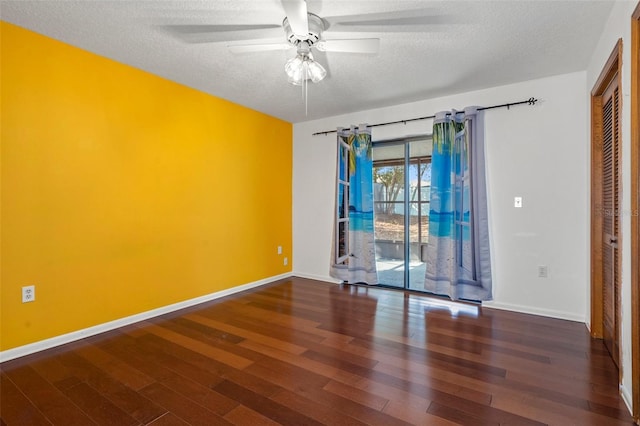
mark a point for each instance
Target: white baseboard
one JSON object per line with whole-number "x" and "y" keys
{"x": 111, "y": 325}
{"x": 627, "y": 398}
{"x": 535, "y": 311}
{"x": 316, "y": 277}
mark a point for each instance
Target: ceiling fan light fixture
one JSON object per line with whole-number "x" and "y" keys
{"x": 293, "y": 65}
{"x": 302, "y": 68}
{"x": 316, "y": 72}
{"x": 298, "y": 76}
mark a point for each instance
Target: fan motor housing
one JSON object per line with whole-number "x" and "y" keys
{"x": 316, "y": 27}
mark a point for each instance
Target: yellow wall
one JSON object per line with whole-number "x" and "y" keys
{"x": 124, "y": 192}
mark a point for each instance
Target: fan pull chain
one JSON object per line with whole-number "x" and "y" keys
{"x": 305, "y": 90}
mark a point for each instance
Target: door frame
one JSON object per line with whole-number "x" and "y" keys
{"x": 635, "y": 211}
{"x": 612, "y": 72}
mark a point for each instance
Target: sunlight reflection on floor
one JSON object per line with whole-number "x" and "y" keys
{"x": 391, "y": 273}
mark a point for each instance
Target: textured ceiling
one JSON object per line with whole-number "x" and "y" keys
{"x": 433, "y": 48}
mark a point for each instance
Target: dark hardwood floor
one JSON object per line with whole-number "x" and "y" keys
{"x": 303, "y": 352}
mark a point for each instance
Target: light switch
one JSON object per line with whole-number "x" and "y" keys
{"x": 517, "y": 202}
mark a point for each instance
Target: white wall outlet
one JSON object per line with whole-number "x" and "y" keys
{"x": 286, "y": 261}
{"x": 517, "y": 202}
{"x": 543, "y": 271}
{"x": 279, "y": 249}
{"x": 28, "y": 293}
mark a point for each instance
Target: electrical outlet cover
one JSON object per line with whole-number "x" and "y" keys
{"x": 28, "y": 293}
{"x": 543, "y": 271}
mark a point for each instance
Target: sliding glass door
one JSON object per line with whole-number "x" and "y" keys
{"x": 402, "y": 177}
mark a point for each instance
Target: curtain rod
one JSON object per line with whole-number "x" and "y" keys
{"x": 530, "y": 101}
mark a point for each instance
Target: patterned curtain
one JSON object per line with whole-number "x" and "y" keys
{"x": 458, "y": 257}
{"x": 353, "y": 251}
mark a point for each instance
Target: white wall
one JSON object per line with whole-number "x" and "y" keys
{"x": 538, "y": 152}
{"x": 619, "y": 26}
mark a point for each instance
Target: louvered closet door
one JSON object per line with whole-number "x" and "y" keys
{"x": 610, "y": 211}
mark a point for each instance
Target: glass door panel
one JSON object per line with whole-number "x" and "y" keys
{"x": 420, "y": 185}
{"x": 389, "y": 226}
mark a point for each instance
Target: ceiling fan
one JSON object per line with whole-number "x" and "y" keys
{"x": 304, "y": 32}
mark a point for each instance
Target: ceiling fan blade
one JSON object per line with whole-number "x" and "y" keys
{"x": 365, "y": 45}
{"x": 401, "y": 21}
{"x": 193, "y": 29}
{"x": 296, "y": 11}
{"x": 219, "y": 33}
{"x": 258, "y": 47}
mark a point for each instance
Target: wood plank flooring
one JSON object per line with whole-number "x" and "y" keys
{"x": 303, "y": 352}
